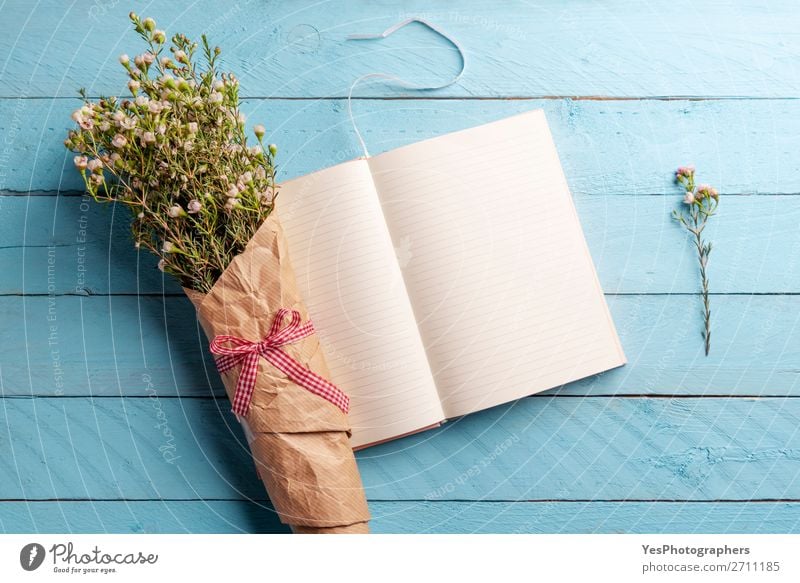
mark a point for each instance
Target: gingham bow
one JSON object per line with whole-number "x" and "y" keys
{"x": 240, "y": 351}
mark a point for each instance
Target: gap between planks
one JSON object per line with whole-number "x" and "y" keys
{"x": 77, "y": 193}
{"x": 455, "y": 98}
{"x": 89, "y": 294}
{"x": 423, "y": 500}
{"x": 544, "y": 395}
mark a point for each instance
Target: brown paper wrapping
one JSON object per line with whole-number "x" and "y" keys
{"x": 299, "y": 441}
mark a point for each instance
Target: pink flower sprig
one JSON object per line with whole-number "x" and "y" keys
{"x": 701, "y": 203}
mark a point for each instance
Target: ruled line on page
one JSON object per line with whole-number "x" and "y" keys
{"x": 348, "y": 274}
{"x": 498, "y": 275}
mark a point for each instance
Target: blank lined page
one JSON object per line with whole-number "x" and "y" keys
{"x": 495, "y": 263}
{"x": 348, "y": 274}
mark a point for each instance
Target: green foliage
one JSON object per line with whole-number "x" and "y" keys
{"x": 176, "y": 154}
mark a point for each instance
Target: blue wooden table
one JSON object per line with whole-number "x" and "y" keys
{"x": 112, "y": 420}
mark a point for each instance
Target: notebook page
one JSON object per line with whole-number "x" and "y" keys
{"x": 347, "y": 273}
{"x": 495, "y": 263}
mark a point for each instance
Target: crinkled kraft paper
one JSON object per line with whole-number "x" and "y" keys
{"x": 299, "y": 441}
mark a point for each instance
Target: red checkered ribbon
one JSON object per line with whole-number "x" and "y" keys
{"x": 233, "y": 351}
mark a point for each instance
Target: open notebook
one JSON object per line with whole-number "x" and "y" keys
{"x": 448, "y": 276}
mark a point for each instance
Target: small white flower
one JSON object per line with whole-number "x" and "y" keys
{"x": 180, "y": 56}
{"x": 134, "y": 85}
{"x": 194, "y": 206}
{"x": 142, "y": 101}
{"x": 233, "y": 192}
{"x": 148, "y": 138}
{"x": 192, "y": 127}
{"x": 259, "y": 131}
{"x": 128, "y": 123}
{"x": 140, "y": 215}
{"x": 119, "y": 141}
{"x": 215, "y": 97}
{"x": 688, "y": 198}
{"x": 80, "y": 162}
{"x": 94, "y": 165}
{"x": 155, "y": 107}
{"x": 124, "y": 59}
{"x": 161, "y": 264}
{"x": 168, "y": 247}
{"x": 175, "y": 211}
{"x": 148, "y": 57}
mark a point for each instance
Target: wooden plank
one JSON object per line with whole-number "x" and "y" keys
{"x": 115, "y": 345}
{"x": 135, "y": 517}
{"x": 299, "y": 49}
{"x": 606, "y": 147}
{"x": 612, "y": 449}
{"x": 68, "y": 245}
{"x": 585, "y": 517}
{"x": 148, "y": 448}
{"x": 127, "y": 345}
{"x": 72, "y": 245}
{"x": 222, "y": 516}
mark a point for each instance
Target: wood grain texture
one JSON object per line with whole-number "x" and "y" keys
{"x": 128, "y": 345}
{"x": 71, "y": 245}
{"x": 224, "y": 516}
{"x": 108, "y": 438}
{"x": 109, "y": 346}
{"x": 623, "y": 47}
{"x": 585, "y": 517}
{"x": 606, "y": 147}
{"x": 135, "y": 517}
{"x": 611, "y": 449}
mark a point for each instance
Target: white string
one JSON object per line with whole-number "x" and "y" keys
{"x": 401, "y": 82}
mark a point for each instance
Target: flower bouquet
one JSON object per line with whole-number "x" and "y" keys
{"x": 203, "y": 200}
